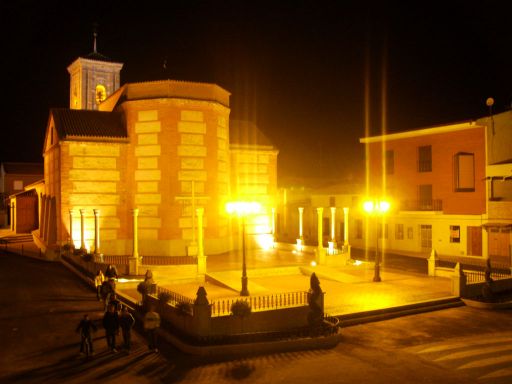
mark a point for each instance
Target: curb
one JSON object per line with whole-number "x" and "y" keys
{"x": 484, "y": 305}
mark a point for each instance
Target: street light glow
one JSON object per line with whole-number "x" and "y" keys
{"x": 376, "y": 206}
{"x": 243, "y": 208}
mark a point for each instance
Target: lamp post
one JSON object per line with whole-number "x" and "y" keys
{"x": 243, "y": 209}
{"x": 377, "y": 207}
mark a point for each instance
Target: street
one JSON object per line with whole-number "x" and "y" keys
{"x": 42, "y": 304}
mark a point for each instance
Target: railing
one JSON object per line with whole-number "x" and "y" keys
{"x": 474, "y": 277}
{"x": 421, "y": 205}
{"x": 221, "y": 307}
{"x": 474, "y": 262}
{"x": 115, "y": 260}
{"x": 168, "y": 260}
{"x": 174, "y": 298}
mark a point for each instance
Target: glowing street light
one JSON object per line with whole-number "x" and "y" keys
{"x": 378, "y": 208}
{"x": 243, "y": 209}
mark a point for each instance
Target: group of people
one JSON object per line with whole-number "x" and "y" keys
{"x": 116, "y": 317}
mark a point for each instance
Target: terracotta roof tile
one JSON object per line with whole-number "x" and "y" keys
{"x": 73, "y": 122}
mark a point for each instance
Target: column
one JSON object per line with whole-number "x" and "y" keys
{"x": 96, "y": 231}
{"x": 133, "y": 261}
{"x": 201, "y": 258}
{"x": 82, "y": 230}
{"x": 320, "y": 248}
{"x": 13, "y": 216}
{"x": 71, "y": 213}
{"x": 300, "y": 240}
{"x": 332, "y": 243}
{"x": 273, "y": 224}
{"x": 346, "y": 245}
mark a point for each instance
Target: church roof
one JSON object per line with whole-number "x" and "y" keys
{"x": 98, "y": 56}
{"x": 243, "y": 132}
{"x": 74, "y": 122}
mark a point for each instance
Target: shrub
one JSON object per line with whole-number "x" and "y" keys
{"x": 241, "y": 308}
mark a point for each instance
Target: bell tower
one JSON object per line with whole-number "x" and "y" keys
{"x": 93, "y": 78}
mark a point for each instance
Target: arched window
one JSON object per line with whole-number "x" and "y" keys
{"x": 101, "y": 93}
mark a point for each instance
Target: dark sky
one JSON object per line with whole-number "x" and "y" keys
{"x": 296, "y": 68}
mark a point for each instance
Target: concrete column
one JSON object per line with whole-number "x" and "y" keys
{"x": 82, "y": 230}
{"x": 274, "y": 224}
{"x": 333, "y": 224}
{"x": 96, "y": 231}
{"x": 320, "y": 247}
{"x": 300, "y": 240}
{"x": 201, "y": 258}
{"x": 345, "y": 226}
{"x": 301, "y": 215}
{"x": 133, "y": 262}
{"x": 13, "y": 216}
{"x": 42, "y": 224}
{"x": 71, "y": 214}
{"x": 432, "y": 263}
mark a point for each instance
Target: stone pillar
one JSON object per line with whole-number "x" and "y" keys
{"x": 273, "y": 224}
{"x": 458, "y": 281}
{"x": 346, "y": 245}
{"x": 133, "y": 261}
{"x": 71, "y": 214}
{"x": 432, "y": 263}
{"x": 300, "y": 240}
{"x": 201, "y": 258}
{"x": 320, "y": 247}
{"x": 332, "y": 243}
{"x": 202, "y": 314}
{"x": 13, "y": 216}
{"x": 42, "y": 223}
{"x": 82, "y": 230}
{"x": 97, "y": 252}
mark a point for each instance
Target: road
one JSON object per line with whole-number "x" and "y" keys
{"x": 42, "y": 303}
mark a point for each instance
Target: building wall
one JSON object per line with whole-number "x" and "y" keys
{"x": 403, "y": 183}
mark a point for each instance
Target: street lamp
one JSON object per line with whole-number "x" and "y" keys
{"x": 243, "y": 209}
{"x": 378, "y": 208}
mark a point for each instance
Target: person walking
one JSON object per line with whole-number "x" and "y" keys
{"x": 111, "y": 272}
{"x": 98, "y": 281}
{"x": 126, "y": 321}
{"x": 114, "y": 301}
{"x": 85, "y": 328}
{"x": 111, "y": 325}
{"x": 151, "y": 325}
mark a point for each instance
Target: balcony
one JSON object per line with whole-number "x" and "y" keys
{"x": 421, "y": 205}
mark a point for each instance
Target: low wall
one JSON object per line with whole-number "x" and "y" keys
{"x": 475, "y": 289}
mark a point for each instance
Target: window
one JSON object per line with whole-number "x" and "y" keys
{"x": 426, "y": 237}
{"x": 425, "y": 158}
{"x": 399, "y": 231}
{"x": 18, "y": 185}
{"x": 425, "y": 197}
{"x": 101, "y": 93}
{"x": 390, "y": 162}
{"x": 383, "y": 227}
{"x": 359, "y": 229}
{"x": 326, "y": 230}
{"x": 464, "y": 172}
{"x": 410, "y": 233}
{"x": 454, "y": 233}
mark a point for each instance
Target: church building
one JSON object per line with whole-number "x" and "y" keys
{"x": 151, "y": 152}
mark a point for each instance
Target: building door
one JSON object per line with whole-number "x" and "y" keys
{"x": 426, "y": 238}
{"x": 474, "y": 241}
{"x": 499, "y": 245}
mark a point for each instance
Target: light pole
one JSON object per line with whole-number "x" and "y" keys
{"x": 378, "y": 208}
{"x": 243, "y": 209}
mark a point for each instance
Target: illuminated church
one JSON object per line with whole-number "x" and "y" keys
{"x": 162, "y": 148}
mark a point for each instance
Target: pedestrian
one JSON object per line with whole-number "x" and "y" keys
{"x": 114, "y": 301}
{"x": 151, "y": 325}
{"x": 111, "y": 325}
{"x": 107, "y": 290}
{"x": 85, "y": 328}
{"x": 98, "y": 281}
{"x": 126, "y": 321}
{"x": 111, "y": 272}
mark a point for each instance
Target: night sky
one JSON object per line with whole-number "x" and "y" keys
{"x": 296, "y": 68}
